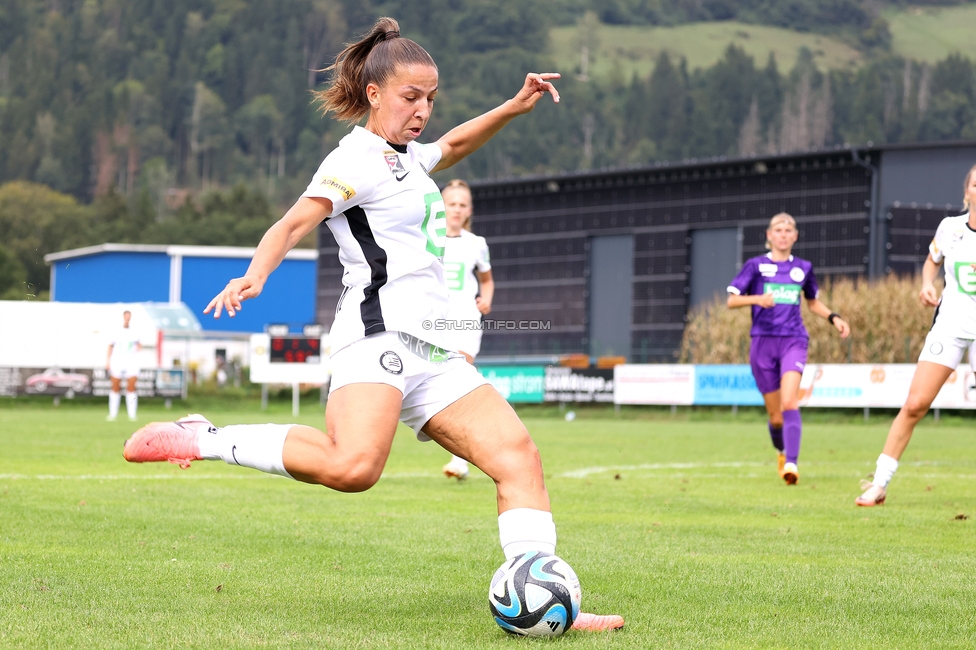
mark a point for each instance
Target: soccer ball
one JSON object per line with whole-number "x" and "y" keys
{"x": 535, "y": 594}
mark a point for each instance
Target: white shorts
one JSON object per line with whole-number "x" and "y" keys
{"x": 463, "y": 341}
{"x": 123, "y": 369}
{"x": 429, "y": 378}
{"x": 947, "y": 350}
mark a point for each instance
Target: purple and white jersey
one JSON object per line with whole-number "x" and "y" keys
{"x": 785, "y": 280}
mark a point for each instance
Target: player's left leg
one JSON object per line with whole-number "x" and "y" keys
{"x": 775, "y": 423}
{"x": 484, "y": 428}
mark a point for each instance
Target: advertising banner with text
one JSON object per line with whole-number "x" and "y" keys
{"x": 822, "y": 385}
{"x": 71, "y": 382}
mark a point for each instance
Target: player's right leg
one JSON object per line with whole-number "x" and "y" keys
{"x": 114, "y": 396}
{"x": 361, "y": 420}
{"x": 764, "y": 361}
{"x": 926, "y": 383}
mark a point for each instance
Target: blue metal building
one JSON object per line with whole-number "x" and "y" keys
{"x": 189, "y": 274}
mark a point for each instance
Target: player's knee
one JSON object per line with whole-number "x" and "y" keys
{"x": 776, "y": 421}
{"x": 915, "y": 407}
{"x": 521, "y": 456}
{"x": 357, "y": 477}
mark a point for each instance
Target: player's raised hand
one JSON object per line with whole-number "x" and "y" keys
{"x": 535, "y": 87}
{"x": 236, "y": 291}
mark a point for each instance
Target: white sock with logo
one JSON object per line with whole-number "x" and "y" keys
{"x": 524, "y": 529}
{"x": 258, "y": 446}
{"x": 131, "y": 404}
{"x": 114, "y": 399}
{"x": 885, "y": 470}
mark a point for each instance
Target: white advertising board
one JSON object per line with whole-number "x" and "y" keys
{"x": 654, "y": 384}
{"x": 879, "y": 385}
{"x": 290, "y": 359}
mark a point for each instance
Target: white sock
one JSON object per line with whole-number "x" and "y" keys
{"x": 525, "y": 529}
{"x": 258, "y": 446}
{"x": 457, "y": 460}
{"x": 131, "y": 402}
{"x": 114, "y": 399}
{"x": 885, "y": 470}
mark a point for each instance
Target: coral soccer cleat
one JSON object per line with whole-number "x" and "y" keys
{"x": 175, "y": 442}
{"x": 597, "y": 622}
{"x": 874, "y": 495}
{"x": 790, "y": 473}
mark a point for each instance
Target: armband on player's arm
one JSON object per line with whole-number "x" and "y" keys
{"x": 832, "y": 316}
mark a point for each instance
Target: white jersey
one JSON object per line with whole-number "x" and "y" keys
{"x": 464, "y": 257}
{"x": 389, "y": 221}
{"x": 125, "y": 346}
{"x": 955, "y": 243}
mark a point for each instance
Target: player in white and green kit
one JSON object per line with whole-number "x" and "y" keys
{"x": 470, "y": 287}
{"x": 953, "y": 332}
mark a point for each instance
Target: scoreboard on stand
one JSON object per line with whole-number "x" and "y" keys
{"x": 280, "y": 357}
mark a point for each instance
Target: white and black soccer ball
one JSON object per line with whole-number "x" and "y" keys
{"x": 535, "y": 594}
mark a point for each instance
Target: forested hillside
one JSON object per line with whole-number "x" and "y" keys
{"x": 143, "y": 115}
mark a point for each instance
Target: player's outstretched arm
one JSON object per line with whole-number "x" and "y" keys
{"x": 764, "y": 300}
{"x": 468, "y": 137}
{"x": 823, "y": 311}
{"x": 930, "y": 270}
{"x": 300, "y": 219}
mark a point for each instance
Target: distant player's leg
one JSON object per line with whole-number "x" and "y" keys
{"x": 131, "y": 397}
{"x": 763, "y": 358}
{"x": 775, "y": 424}
{"x": 114, "y": 398}
{"x": 482, "y": 427}
{"x": 926, "y": 383}
{"x": 458, "y": 467}
{"x": 792, "y": 425}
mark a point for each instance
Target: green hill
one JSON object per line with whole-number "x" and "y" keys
{"x": 931, "y": 33}
{"x": 632, "y": 49}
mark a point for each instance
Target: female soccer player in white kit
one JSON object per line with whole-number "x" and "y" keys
{"x": 123, "y": 363}
{"x": 470, "y": 286}
{"x": 953, "y": 332}
{"x": 387, "y": 215}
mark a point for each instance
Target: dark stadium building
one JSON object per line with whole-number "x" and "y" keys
{"x": 611, "y": 261}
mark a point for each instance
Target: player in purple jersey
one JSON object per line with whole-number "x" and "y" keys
{"x": 771, "y": 284}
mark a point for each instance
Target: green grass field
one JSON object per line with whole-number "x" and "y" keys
{"x": 679, "y": 524}
{"x": 921, "y": 33}
{"x": 625, "y": 49}
{"x": 932, "y": 33}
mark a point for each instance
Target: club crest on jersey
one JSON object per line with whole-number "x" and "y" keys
{"x": 797, "y": 274}
{"x": 957, "y": 236}
{"x": 390, "y": 361}
{"x": 393, "y": 162}
{"x": 768, "y": 270}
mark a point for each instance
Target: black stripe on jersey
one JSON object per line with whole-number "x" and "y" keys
{"x": 399, "y": 148}
{"x": 936, "y": 314}
{"x": 370, "y": 309}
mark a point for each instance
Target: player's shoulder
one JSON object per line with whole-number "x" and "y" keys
{"x": 799, "y": 261}
{"x": 469, "y": 236}
{"x": 958, "y": 223}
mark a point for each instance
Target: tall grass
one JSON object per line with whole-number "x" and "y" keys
{"x": 888, "y": 325}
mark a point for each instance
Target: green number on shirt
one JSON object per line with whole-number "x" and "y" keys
{"x": 435, "y": 224}
{"x": 454, "y": 275}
